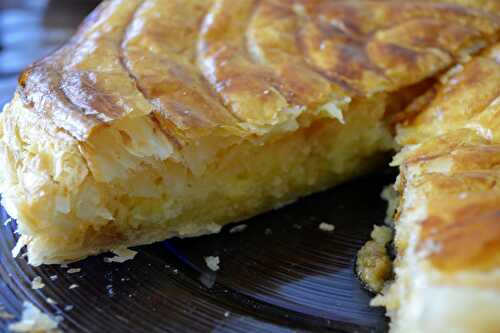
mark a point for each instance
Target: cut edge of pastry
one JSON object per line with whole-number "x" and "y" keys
{"x": 447, "y": 275}
{"x": 425, "y": 298}
{"x": 127, "y": 185}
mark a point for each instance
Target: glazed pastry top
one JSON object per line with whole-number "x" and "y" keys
{"x": 456, "y": 150}
{"x": 245, "y": 67}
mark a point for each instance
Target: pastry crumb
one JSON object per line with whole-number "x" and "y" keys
{"x": 334, "y": 111}
{"x": 21, "y": 243}
{"x": 37, "y": 283}
{"x": 373, "y": 264}
{"x": 238, "y": 228}
{"x": 326, "y": 227}
{"x": 212, "y": 263}
{"x": 34, "y": 321}
{"x": 53, "y": 277}
{"x": 50, "y": 301}
{"x": 73, "y": 270}
{"x": 121, "y": 255}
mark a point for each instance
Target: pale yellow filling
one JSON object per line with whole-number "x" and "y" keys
{"x": 127, "y": 184}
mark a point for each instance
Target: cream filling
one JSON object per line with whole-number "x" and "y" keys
{"x": 127, "y": 184}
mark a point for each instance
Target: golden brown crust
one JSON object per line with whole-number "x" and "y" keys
{"x": 238, "y": 66}
{"x": 459, "y": 168}
{"x": 468, "y": 236}
{"x": 448, "y": 220}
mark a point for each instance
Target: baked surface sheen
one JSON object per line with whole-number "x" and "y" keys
{"x": 448, "y": 224}
{"x": 458, "y": 151}
{"x": 234, "y": 67}
{"x": 164, "y": 118}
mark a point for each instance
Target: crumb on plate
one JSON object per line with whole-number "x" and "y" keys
{"x": 37, "y": 283}
{"x": 50, "y": 301}
{"x": 121, "y": 255}
{"x": 212, "y": 262}
{"x": 238, "y": 228}
{"x": 373, "y": 264}
{"x": 326, "y": 227}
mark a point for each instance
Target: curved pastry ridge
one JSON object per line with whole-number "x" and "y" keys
{"x": 161, "y": 56}
{"x": 232, "y": 58}
{"x": 244, "y": 86}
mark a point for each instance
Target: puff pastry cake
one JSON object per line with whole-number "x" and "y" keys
{"x": 173, "y": 118}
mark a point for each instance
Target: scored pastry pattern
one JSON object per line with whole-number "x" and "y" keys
{"x": 242, "y": 66}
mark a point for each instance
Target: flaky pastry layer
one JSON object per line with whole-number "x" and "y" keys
{"x": 448, "y": 223}
{"x": 117, "y": 189}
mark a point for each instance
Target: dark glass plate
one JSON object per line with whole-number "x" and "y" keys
{"x": 282, "y": 273}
